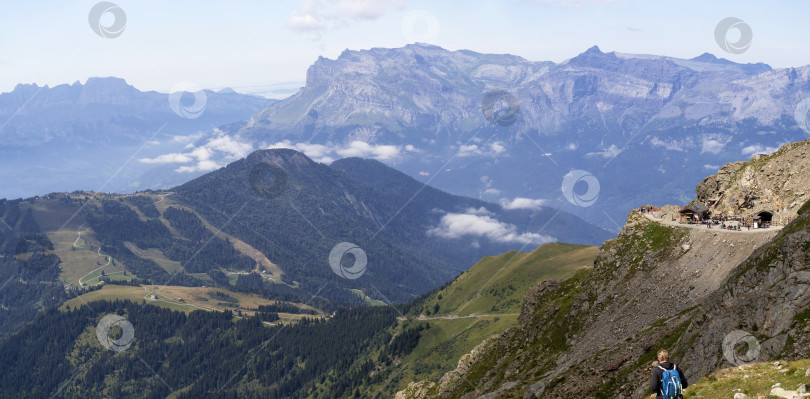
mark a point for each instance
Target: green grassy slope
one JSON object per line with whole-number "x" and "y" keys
{"x": 754, "y": 380}
{"x": 498, "y": 284}
{"x": 483, "y": 301}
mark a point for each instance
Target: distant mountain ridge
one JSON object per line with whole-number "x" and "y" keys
{"x": 630, "y": 120}
{"x": 79, "y": 136}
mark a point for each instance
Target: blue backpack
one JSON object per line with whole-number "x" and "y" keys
{"x": 671, "y": 383}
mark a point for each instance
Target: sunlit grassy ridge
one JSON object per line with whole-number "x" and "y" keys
{"x": 483, "y": 301}
{"x": 498, "y": 284}
{"x": 193, "y": 298}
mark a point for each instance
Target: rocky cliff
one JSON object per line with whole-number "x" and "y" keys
{"x": 777, "y": 183}
{"x": 429, "y": 87}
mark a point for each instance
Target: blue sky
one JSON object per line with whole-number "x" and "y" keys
{"x": 266, "y": 46}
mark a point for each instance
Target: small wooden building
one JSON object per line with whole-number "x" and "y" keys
{"x": 695, "y": 212}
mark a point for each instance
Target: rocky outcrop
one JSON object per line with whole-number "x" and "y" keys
{"x": 777, "y": 183}
{"x": 767, "y": 297}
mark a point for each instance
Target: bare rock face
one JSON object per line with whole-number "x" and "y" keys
{"x": 778, "y": 183}
{"x": 713, "y": 187}
{"x": 530, "y": 303}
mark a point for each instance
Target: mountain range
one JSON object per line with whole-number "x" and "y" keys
{"x": 590, "y": 135}
{"x": 498, "y": 127}
{"x": 91, "y": 135}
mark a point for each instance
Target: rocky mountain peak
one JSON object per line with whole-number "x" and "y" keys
{"x": 593, "y": 50}
{"x": 286, "y": 159}
{"x": 110, "y": 82}
{"x": 710, "y": 58}
{"x": 593, "y": 57}
{"x": 707, "y": 57}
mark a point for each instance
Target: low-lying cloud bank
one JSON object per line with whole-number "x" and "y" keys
{"x": 327, "y": 153}
{"x": 478, "y": 225}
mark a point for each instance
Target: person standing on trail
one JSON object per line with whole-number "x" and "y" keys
{"x": 667, "y": 381}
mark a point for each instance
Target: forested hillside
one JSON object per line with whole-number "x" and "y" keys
{"x": 202, "y": 354}
{"x": 29, "y": 270}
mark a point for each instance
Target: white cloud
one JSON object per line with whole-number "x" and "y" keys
{"x": 305, "y": 23}
{"x": 711, "y": 167}
{"x": 319, "y": 15}
{"x": 201, "y": 166}
{"x": 491, "y": 150}
{"x": 571, "y": 3}
{"x": 669, "y": 145}
{"x": 365, "y": 150}
{"x": 497, "y": 147}
{"x": 201, "y": 153}
{"x": 712, "y": 146}
{"x": 221, "y": 147}
{"x": 167, "y": 158}
{"x": 232, "y": 147}
{"x": 317, "y": 152}
{"x": 328, "y": 153}
{"x": 458, "y": 225}
{"x": 522, "y": 203}
{"x": 758, "y": 149}
{"x": 468, "y": 150}
{"x": 478, "y": 211}
{"x": 492, "y": 191}
{"x": 714, "y": 143}
{"x": 186, "y": 139}
{"x": 361, "y": 9}
{"x": 610, "y": 152}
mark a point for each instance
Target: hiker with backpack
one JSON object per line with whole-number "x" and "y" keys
{"x": 667, "y": 381}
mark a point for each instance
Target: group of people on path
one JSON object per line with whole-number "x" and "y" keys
{"x": 736, "y": 227}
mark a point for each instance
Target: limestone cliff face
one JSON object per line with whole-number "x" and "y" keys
{"x": 656, "y": 286}
{"x": 778, "y": 183}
